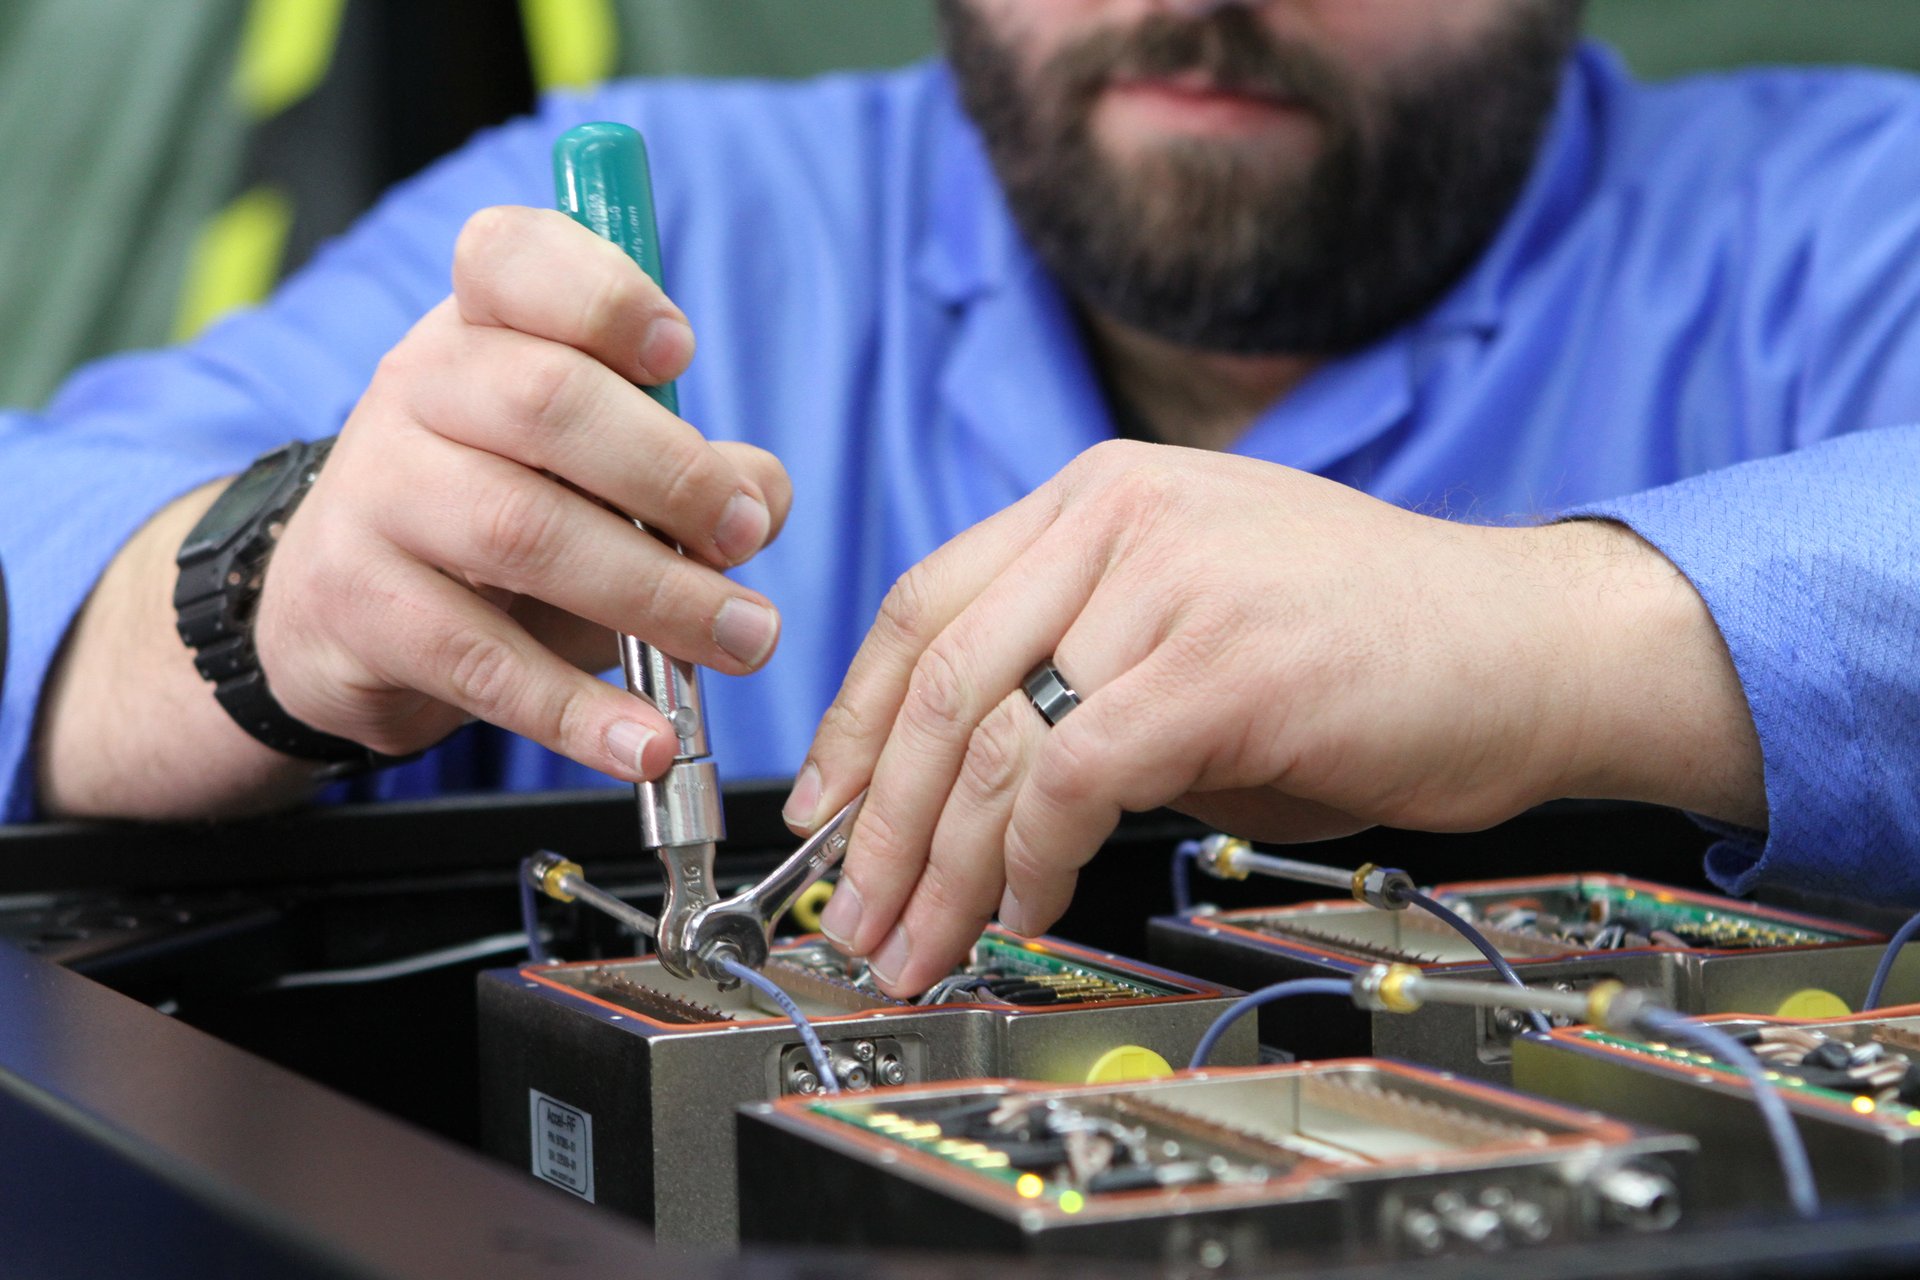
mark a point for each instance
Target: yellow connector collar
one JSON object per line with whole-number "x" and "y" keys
{"x": 1600, "y": 1000}
{"x": 550, "y": 880}
{"x": 1219, "y": 854}
{"x": 1394, "y": 997}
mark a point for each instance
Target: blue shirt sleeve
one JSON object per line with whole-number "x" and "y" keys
{"x": 128, "y": 435}
{"x": 1810, "y": 565}
{"x": 1810, "y": 561}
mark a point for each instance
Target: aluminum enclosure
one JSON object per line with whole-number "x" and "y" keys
{"x": 1274, "y": 1165}
{"x": 1764, "y": 959}
{"x": 618, "y": 1082}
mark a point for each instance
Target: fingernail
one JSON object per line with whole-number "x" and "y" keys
{"x": 746, "y": 630}
{"x": 803, "y": 803}
{"x": 743, "y": 527}
{"x": 890, "y": 961}
{"x": 841, "y": 920}
{"x": 1011, "y": 916}
{"x": 665, "y": 346}
{"x": 628, "y": 740}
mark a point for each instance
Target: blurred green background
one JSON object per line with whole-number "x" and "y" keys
{"x": 167, "y": 160}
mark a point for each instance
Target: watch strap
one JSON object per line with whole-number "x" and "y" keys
{"x": 222, "y": 567}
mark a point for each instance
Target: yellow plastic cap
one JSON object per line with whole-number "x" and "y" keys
{"x": 1812, "y": 1002}
{"x": 1128, "y": 1062}
{"x": 811, "y": 902}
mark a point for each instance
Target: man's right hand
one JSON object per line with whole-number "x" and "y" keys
{"x": 466, "y": 550}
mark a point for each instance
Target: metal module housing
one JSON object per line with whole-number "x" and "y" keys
{"x": 618, "y": 1082}
{"x": 1204, "y": 1171}
{"x": 1860, "y": 1123}
{"x": 1714, "y": 954}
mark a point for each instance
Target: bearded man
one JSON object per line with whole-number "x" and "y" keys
{"x": 1252, "y": 360}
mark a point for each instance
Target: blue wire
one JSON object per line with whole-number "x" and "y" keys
{"x": 1265, "y": 995}
{"x": 822, "y": 1064}
{"x": 1183, "y": 855}
{"x": 1885, "y": 970}
{"x": 1486, "y": 948}
{"x": 1787, "y": 1143}
{"x": 530, "y": 915}
{"x": 1187, "y": 851}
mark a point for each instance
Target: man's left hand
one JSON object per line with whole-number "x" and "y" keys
{"x": 1274, "y": 653}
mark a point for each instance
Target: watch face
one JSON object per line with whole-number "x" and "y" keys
{"x": 234, "y": 508}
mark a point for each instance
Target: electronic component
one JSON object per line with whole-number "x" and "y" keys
{"x": 1852, "y": 1084}
{"x": 1702, "y": 953}
{"x": 1205, "y": 1170}
{"x": 618, "y": 1080}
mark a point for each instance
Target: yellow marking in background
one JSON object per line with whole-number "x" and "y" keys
{"x": 285, "y": 50}
{"x": 286, "y": 47}
{"x": 1812, "y": 1002}
{"x": 811, "y": 902}
{"x": 1029, "y": 1186}
{"x": 571, "y": 43}
{"x": 1128, "y": 1062}
{"x": 235, "y": 259}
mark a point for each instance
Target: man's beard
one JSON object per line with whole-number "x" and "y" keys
{"x": 1202, "y": 243}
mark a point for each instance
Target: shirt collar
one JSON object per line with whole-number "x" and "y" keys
{"x": 971, "y": 243}
{"x": 1561, "y": 182}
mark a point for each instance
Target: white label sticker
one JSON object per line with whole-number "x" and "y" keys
{"x": 562, "y": 1144}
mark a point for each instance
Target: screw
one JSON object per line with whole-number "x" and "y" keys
{"x": 892, "y": 1071}
{"x": 1424, "y": 1231}
{"x": 863, "y": 1050}
{"x": 803, "y": 1081}
{"x": 1529, "y": 1221}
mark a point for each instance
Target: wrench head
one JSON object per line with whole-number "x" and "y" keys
{"x": 690, "y": 890}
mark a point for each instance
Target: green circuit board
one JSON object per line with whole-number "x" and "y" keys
{"x": 1592, "y": 904}
{"x": 1785, "y": 1079}
{"x": 1036, "y": 959}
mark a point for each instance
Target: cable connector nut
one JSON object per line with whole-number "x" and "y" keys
{"x": 1386, "y": 988}
{"x": 1387, "y": 888}
{"x": 1621, "y": 1008}
{"x": 1600, "y": 1000}
{"x": 1219, "y": 857}
{"x": 549, "y": 873}
{"x": 715, "y": 960}
{"x": 1395, "y": 996}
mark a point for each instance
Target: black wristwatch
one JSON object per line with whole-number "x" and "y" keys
{"x": 222, "y": 564}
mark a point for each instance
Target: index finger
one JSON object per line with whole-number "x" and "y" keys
{"x": 918, "y": 608}
{"x": 542, "y": 273}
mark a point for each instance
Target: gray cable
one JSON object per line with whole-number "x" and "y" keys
{"x": 491, "y": 945}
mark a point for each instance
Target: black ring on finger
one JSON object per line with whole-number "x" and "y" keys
{"x": 1050, "y": 693}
